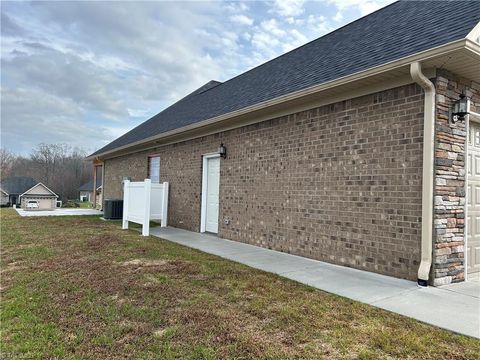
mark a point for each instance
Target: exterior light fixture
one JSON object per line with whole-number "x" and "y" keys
{"x": 222, "y": 150}
{"x": 460, "y": 109}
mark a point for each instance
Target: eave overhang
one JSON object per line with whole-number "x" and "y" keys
{"x": 461, "y": 57}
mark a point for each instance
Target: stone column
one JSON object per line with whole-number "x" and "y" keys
{"x": 449, "y": 192}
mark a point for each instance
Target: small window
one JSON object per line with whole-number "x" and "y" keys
{"x": 154, "y": 169}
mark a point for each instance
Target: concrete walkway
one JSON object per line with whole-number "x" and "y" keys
{"x": 454, "y": 307}
{"x": 59, "y": 212}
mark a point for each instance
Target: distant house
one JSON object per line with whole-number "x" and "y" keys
{"x": 12, "y": 187}
{"x": 3, "y": 198}
{"x": 86, "y": 190}
{"x": 38, "y": 197}
{"x": 27, "y": 193}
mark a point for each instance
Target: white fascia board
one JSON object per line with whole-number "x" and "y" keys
{"x": 473, "y": 47}
{"x": 474, "y": 35}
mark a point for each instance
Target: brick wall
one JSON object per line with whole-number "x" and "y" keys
{"x": 340, "y": 183}
{"x": 450, "y": 176}
{"x": 180, "y": 165}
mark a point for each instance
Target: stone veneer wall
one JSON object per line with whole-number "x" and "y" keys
{"x": 340, "y": 183}
{"x": 450, "y": 177}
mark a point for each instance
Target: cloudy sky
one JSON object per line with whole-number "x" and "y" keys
{"x": 84, "y": 73}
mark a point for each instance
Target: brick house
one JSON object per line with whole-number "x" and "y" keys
{"x": 342, "y": 150}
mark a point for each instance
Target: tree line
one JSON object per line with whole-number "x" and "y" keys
{"x": 60, "y": 167}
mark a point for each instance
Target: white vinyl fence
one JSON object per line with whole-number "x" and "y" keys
{"x": 144, "y": 201}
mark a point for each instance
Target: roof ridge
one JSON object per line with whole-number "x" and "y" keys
{"x": 205, "y": 87}
{"x": 209, "y": 86}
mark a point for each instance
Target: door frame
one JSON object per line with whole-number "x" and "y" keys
{"x": 203, "y": 210}
{"x": 475, "y": 119}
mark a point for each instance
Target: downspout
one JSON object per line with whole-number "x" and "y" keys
{"x": 428, "y": 171}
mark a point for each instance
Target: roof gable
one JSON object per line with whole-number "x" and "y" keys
{"x": 39, "y": 189}
{"x": 401, "y": 29}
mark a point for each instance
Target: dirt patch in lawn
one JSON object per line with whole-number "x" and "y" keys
{"x": 167, "y": 266}
{"x": 144, "y": 262}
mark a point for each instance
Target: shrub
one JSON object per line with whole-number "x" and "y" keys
{"x": 70, "y": 204}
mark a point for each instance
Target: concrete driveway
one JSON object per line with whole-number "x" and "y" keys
{"x": 454, "y": 307}
{"x": 59, "y": 212}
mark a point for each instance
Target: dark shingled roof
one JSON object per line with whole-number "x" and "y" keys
{"x": 17, "y": 184}
{"x": 88, "y": 186}
{"x": 398, "y": 30}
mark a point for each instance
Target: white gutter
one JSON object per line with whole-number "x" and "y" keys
{"x": 428, "y": 171}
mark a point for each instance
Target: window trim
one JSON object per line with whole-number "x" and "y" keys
{"x": 149, "y": 158}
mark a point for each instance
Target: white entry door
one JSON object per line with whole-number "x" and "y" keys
{"x": 212, "y": 191}
{"x": 473, "y": 199}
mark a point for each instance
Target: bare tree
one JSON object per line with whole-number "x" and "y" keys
{"x": 47, "y": 158}
{"x": 59, "y": 166}
{"x": 7, "y": 159}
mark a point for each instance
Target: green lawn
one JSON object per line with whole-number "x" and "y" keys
{"x": 79, "y": 287}
{"x": 85, "y": 204}
{"x": 81, "y": 204}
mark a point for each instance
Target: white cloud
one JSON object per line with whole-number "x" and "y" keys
{"x": 241, "y": 19}
{"x": 86, "y": 72}
{"x": 365, "y": 6}
{"x": 66, "y": 76}
{"x": 246, "y": 36}
{"x": 236, "y": 7}
{"x": 59, "y": 121}
{"x": 296, "y": 39}
{"x": 318, "y": 24}
{"x": 368, "y": 7}
{"x": 272, "y": 27}
{"x": 338, "y": 16}
{"x": 141, "y": 113}
{"x": 272, "y": 38}
{"x": 265, "y": 42}
{"x": 86, "y": 55}
{"x": 288, "y": 8}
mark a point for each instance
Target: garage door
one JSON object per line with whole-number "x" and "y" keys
{"x": 473, "y": 199}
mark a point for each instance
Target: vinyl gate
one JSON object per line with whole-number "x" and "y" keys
{"x": 144, "y": 201}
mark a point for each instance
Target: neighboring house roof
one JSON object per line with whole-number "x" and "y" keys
{"x": 401, "y": 29}
{"x": 17, "y": 184}
{"x": 39, "y": 190}
{"x": 88, "y": 186}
